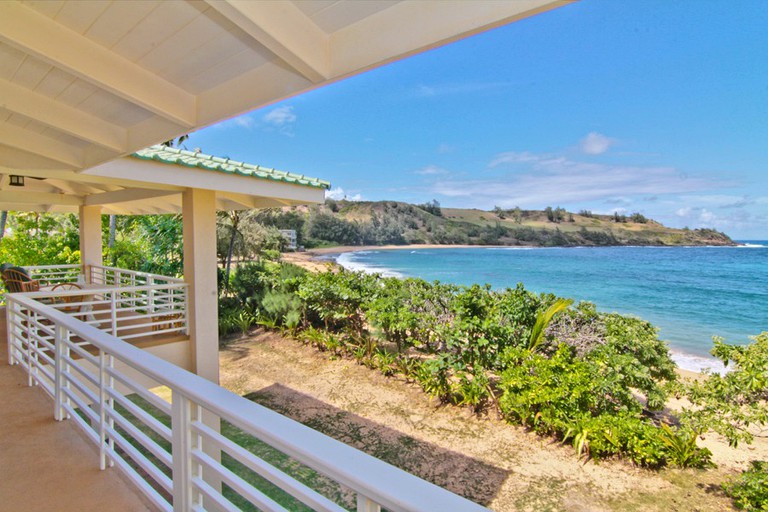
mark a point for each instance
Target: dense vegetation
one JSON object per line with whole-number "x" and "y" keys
{"x": 148, "y": 243}
{"x": 594, "y": 380}
{"x": 390, "y": 222}
{"x": 591, "y": 379}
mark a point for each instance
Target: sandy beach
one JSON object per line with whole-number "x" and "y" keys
{"x": 313, "y": 260}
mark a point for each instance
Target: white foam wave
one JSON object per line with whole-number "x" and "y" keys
{"x": 347, "y": 260}
{"x": 696, "y": 363}
{"x": 752, "y": 246}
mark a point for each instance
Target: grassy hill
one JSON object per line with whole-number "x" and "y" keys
{"x": 391, "y": 222}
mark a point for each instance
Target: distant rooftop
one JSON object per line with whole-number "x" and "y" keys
{"x": 166, "y": 155}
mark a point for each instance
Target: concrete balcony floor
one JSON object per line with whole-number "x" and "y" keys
{"x": 47, "y": 465}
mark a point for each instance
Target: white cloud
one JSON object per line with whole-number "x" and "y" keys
{"x": 697, "y": 215}
{"x": 732, "y": 222}
{"x": 280, "y": 116}
{"x": 245, "y": 121}
{"x": 427, "y": 91}
{"x": 431, "y": 170}
{"x": 536, "y": 180}
{"x": 595, "y": 144}
{"x": 515, "y": 158}
{"x": 338, "y": 193}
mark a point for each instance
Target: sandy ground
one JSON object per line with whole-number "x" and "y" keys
{"x": 498, "y": 465}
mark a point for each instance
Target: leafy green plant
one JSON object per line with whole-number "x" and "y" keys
{"x": 432, "y": 376}
{"x": 750, "y": 490}
{"x": 244, "y": 320}
{"x": 472, "y": 389}
{"x": 543, "y": 319}
{"x": 732, "y": 403}
{"x": 385, "y": 362}
{"x": 681, "y": 448}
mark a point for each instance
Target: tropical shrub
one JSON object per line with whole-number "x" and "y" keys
{"x": 750, "y": 490}
{"x": 335, "y": 300}
{"x": 587, "y": 378}
{"x": 733, "y": 403}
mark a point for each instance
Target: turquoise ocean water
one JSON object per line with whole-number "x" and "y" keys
{"x": 690, "y": 293}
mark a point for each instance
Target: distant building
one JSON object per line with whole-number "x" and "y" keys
{"x": 290, "y": 236}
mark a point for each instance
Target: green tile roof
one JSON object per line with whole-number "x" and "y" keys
{"x": 176, "y": 156}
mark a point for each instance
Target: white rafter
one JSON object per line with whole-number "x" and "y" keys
{"x": 61, "y": 117}
{"x": 25, "y": 140}
{"x": 284, "y": 30}
{"x": 122, "y": 196}
{"x": 41, "y": 198}
{"x": 38, "y": 35}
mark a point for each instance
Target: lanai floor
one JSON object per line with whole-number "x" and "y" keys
{"x": 47, "y": 465}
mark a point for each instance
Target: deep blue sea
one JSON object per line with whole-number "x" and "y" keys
{"x": 689, "y": 293}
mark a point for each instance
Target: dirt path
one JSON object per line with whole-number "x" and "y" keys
{"x": 496, "y": 464}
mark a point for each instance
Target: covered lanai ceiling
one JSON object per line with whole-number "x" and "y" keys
{"x": 83, "y": 83}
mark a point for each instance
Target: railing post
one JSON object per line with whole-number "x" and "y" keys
{"x": 58, "y": 380}
{"x": 28, "y": 334}
{"x": 185, "y": 298}
{"x": 151, "y": 296}
{"x": 102, "y": 412}
{"x": 111, "y": 405}
{"x": 365, "y": 504}
{"x": 10, "y": 331}
{"x": 113, "y": 311}
{"x": 182, "y": 442}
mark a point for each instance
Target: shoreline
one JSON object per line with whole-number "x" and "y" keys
{"x": 324, "y": 251}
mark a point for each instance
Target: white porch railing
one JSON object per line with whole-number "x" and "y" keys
{"x": 171, "y": 451}
{"x": 128, "y": 304}
{"x": 50, "y": 275}
{"x": 114, "y": 276}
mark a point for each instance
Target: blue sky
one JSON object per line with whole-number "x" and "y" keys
{"x": 654, "y": 106}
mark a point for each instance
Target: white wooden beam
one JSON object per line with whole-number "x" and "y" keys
{"x": 36, "y": 34}
{"x": 283, "y": 29}
{"x": 61, "y": 117}
{"x": 247, "y": 202}
{"x": 129, "y": 194}
{"x": 21, "y": 196}
{"x": 31, "y": 142}
{"x": 414, "y": 26}
{"x": 144, "y": 170}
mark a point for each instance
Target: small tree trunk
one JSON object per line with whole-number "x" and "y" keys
{"x": 3, "y": 220}
{"x": 235, "y": 216}
{"x": 112, "y": 231}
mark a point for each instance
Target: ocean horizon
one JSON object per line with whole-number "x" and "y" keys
{"x": 690, "y": 293}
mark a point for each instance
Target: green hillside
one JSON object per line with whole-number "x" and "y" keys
{"x": 395, "y": 223}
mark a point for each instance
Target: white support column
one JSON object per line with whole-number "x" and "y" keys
{"x": 199, "y": 214}
{"x": 90, "y": 238}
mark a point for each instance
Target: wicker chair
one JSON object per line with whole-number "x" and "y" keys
{"x": 16, "y": 280}
{"x": 68, "y": 299}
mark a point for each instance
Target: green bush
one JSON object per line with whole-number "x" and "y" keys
{"x": 750, "y": 490}
{"x": 730, "y": 403}
{"x": 569, "y": 372}
{"x": 250, "y": 282}
{"x": 335, "y": 300}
